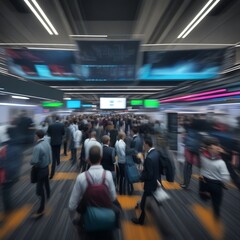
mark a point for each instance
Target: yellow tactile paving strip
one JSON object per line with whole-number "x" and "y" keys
{"x": 65, "y": 176}
{"x": 13, "y": 220}
{"x": 205, "y": 216}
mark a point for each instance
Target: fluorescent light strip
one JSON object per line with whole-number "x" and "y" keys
{"x": 192, "y": 95}
{"x": 115, "y": 89}
{"x": 66, "y": 98}
{"x": 214, "y": 96}
{"x": 201, "y": 18}
{"x": 38, "y": 17}
{"x": 12, "y": 93}
{"x": 89, "y": 36}
{"x": 195, "y": 18}
{"x": 17, "y": 104}
{"x": 20, "y": 97}
{"x": 45, "y": 17}
{"x": 37, "y": 44}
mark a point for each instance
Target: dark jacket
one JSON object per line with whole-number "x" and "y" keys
{"x": 151, "y": 171}
{"x": 108, "y": 158}
{"x": 56, "y": 132}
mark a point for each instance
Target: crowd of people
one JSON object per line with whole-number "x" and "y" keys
{"x": 99, "y": 147}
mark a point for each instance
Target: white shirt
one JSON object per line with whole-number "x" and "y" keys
{"x": 120, "y": 147}
{"x": 77, "y": 136}
{"x": 80, "y": 186}
{"x": 89, "y": 144}
{"x": 214, "y": 169}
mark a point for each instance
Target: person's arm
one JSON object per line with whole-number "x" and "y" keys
{"x": 224, "y": 172}
{"x": 147, "y": 173}
{"x": 111, "y": 185}
{"x": 35, "y": 157}
{"x": 75, "y": 197}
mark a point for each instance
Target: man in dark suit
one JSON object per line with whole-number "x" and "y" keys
{"x": 108, "y": 158}
{"x": 149, "y": 175}
{"x": 136, "y": 144}
{"x": 56, "y": 132}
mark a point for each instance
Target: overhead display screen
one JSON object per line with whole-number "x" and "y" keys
{"x": 112, "y": 103}
{"x": 42, "y": 64}
{"x": 107, "y": 60}
{"x": 181, "y": 65}
{"x": 73, "y": 104}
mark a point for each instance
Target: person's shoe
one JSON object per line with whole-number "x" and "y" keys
{"x": 136, "y": 221}
{"x": 37, "y": 215}
{"x": 183, "y": 186}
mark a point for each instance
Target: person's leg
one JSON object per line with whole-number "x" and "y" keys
{"x": 58, "y": 150}
{"x": 40, "y": 193}
{"x": 53, "y": 161}
{"x": 141, "y": 218}
{"x": 7, "y": 196}
{"x": 216, "y": 192}
{"x": 187, "y": 173}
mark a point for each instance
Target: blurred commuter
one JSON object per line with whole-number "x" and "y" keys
{"x": 25, "y": 127}
{"x": 108, "y": 159}
{"x": 120, "y": 147}
{"x": 92, "y": 141}
{"x": 65, "y": 138}
{"x": 96, "y": 175}
{"x": 56, "y": 132}
{"x": 77, "y": 137}
{"x": 214, "y": 172}
{"x": 192, "y": 143}
{"x": 41, "y": 158}
{"x": 149, "y": 175}
{"x": 10, "y": 163}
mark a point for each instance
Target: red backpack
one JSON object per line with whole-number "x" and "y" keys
{"x": 96, "y": 194}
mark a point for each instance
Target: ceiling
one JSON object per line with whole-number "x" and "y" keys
{"x": 157, "y": 23}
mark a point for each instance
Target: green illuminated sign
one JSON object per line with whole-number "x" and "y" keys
{"x": 151, "y": 103}
{"x": 136, "y": 102}
{"x": 52, "y": 104}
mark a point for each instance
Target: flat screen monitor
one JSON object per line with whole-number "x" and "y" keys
{"x": 181, "y": 65}
{"x": 73, "y": 104}
{"x": 42, "y": 65}
{"x": 108, "y": 60}
{"x": 151, "y": 103}
{"x": 112, "y": 103}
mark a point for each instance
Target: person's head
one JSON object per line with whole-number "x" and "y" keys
{"x": 39, "y": 134}
{"x": 121, "y": 135}
{"x": 95, "y": 155}
{"x": 106, "y": 139}
{"x": 135, "y": 130}
{"x": 147, "y": 143}
{"x": 93, "y": 134}
{"x": 212, "y": 145}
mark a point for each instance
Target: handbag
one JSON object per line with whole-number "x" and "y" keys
{"x": 34, "y": 174}
{"x": 159, "y": 194}
{"x": 99, "y": 219}
{"x": 132, "y": 173}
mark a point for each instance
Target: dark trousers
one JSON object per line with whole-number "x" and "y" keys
{"x": 215, "y": 188}
{"x": 65, "y": 148}
{"x": 7, "y": 189}
{"x": 73, "y": 155}
{"x": 55, "y": 157}
{"x": 122, "y": 178}
{"x": 42, "y": 182}
{"x": 187, "y": 173}
{"x": 143, "y": 205}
